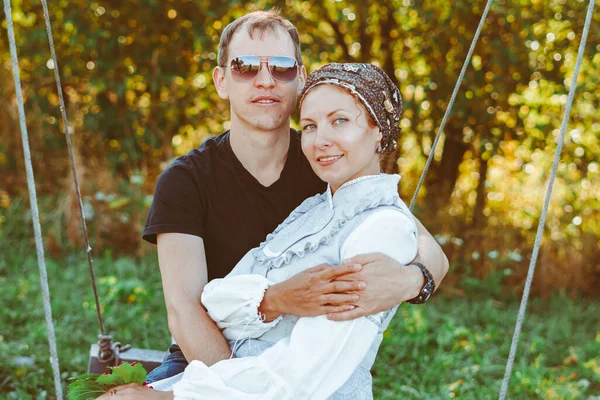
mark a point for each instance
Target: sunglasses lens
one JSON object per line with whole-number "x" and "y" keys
{"x": 245, "y": 68}
{"x": 283, "y": 68}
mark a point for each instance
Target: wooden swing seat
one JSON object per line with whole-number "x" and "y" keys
{"x": 149, "y": 359}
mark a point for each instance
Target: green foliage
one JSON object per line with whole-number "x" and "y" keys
{"x": 90, "y": 386}
{"x": 137, "y": 81}
{"x": 492, "y": 285}
{"x": 455, "y": 346}
{"x": 142, "y": 324}
{"x": 124, "y": 374}
{"x": 86, "y": 387}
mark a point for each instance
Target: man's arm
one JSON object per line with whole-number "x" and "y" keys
{"x": 184, "y": 273}
{"x": 431, "y": 255}
{"x": 345, "y": 292}
{"x": 313, "y": 292}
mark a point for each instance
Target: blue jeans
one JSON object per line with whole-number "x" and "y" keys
{"x": 173, "y": 365}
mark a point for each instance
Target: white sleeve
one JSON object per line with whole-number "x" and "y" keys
{"x": 389, "y": 231}
{"x": 320, "y": 355}
{"x": 312, "y": 363}
{"x": 233, "y": 302}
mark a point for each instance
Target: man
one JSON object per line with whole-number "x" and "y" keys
{"x": 222, "y": 199}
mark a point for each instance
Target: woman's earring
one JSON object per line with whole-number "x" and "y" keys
{"x": 379, "y": 149}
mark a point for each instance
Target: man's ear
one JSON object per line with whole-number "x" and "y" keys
{"x": 218, "y": 77}
{"x": 301, "y": 79}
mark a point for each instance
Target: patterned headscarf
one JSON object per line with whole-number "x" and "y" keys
{"x": 373, "y": 87}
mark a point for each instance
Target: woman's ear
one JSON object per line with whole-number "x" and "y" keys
{"x": 377, "y": 137}
{"x": 377, "y": 134}
{"x": 218, "y": 76}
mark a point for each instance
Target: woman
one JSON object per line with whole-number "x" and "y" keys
{"x": 349, "y": 118}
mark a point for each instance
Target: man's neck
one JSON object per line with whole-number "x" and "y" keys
{"x": 262, "y": 153}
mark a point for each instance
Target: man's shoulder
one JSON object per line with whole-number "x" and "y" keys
{"x": 198, "y": 161}
{"x": 296, "y": 134}
{"x": 208, "y": 148}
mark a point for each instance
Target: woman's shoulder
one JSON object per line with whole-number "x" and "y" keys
{"x": 308, "y": 205}
{"x": 387, "y": 230}
{"x": 311, "y": 202}
{"x": 309, "y": 218}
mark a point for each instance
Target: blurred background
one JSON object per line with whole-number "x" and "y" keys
{"x": 137, "y": 82}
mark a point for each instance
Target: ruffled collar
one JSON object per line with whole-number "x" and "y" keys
{"x": 357, "y": 189}
{"x": 319, "y": 218}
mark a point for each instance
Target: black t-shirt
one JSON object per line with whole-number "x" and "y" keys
{"x": 209, "y": 193}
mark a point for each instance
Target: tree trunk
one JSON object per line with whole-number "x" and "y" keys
{"x": 339, "y": 35}
{"x": 442, "y": 178}
{"x": 365, "y": 40}
{"x": 387, "y": 24}
{"x": 478, "y": 217}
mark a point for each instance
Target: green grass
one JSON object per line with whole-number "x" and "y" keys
{"x": 133, "y": 310}
{"x": 457, "y": 348}
{"x": 453, "y": 347}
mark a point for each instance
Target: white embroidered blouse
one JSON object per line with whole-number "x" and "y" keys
{"x": 318, "y": 356}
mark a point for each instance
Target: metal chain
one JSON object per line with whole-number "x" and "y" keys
{"x": 109, "y": 352}
{"x": 67, "y": 133}
{"x": 35, "y": 216}
{"x": 451, "y": 103}
{"x": 542, "y": 223}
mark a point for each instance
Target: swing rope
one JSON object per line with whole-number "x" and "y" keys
{"x": 542, "y": 223}
{"x": 488, "y": 6}
{"x": 67, "y": 133}
{"x": 35, "y": 215}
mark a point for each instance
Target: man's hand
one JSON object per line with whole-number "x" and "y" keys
{"x": 389, "y": 283}
{"x": 316, "y": 291}
{"x": 133, "y": 391}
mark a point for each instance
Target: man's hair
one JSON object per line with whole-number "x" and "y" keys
{"x": 258, "y": 22}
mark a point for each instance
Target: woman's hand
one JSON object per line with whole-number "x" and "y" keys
{"x": 314, "y": 292}
{"x": 133, "y": 391}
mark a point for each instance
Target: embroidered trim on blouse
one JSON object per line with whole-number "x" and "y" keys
{"x": 271, "y": 259}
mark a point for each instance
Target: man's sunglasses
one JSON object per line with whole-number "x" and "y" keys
{"x": 281, "y": 68}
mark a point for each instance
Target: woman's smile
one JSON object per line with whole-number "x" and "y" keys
{"x": 328, "y": 160}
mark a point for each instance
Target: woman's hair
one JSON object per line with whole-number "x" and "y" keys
{"x": 388, "y": 160}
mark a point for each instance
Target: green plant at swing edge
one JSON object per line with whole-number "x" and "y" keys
{"x": 90, "y": 386}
